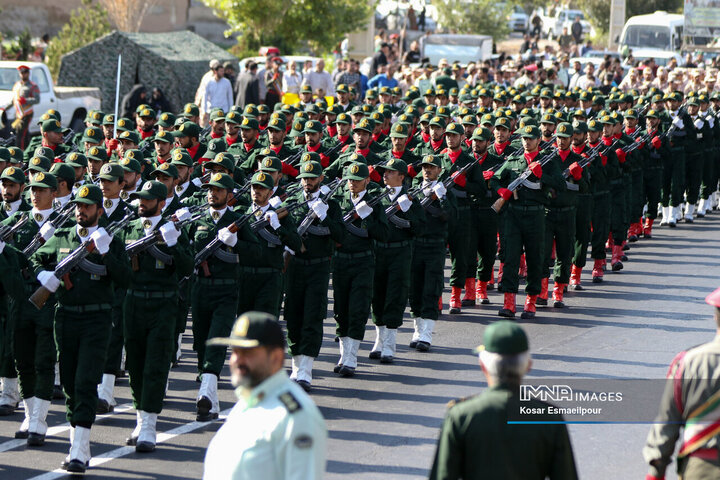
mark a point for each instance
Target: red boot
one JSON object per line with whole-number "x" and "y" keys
{"x": 508, "y": 309}
{"x": 558, "y": 295}
{"x": 647, "y": 231}
{"x": 633, "y": 233}
{"x": 575, "y": 278}
{"x": 543, "y": 297}
{"x": 481, "y": 293}
{"x": 522, "y": 271}
{"x": 440, "y": 304}
{"x": 455, "y": 302}
{"x": 609, "y": 244}
{"x": 500, "y": 272}
{"x": 616, "y": 260}
{"x": 529, "y": 309}
{"x": 469, "y": 298}
{"x": 598, "y": 270}
{"x": 491, "y": 283}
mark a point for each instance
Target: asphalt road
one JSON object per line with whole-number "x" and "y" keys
{"x": 384, "y": 422}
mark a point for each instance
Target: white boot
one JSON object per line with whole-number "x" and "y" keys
{"x": 10, "y": 398}
{"x": 29, "y": 404}
{"x": 38, "y": 420}
{"x": 178, "y": 353}
{"x": 106, "y": 388}
{"x": 702, "y": 207}
{"x": 305, "y": 372}
{"x": 295, "y": 366}
{"x": 674, "y": 214}
{"x": 80, "y": 445}
{"x": 419, "y": 324}
{"x": 353, "y": 346}
{"x": 665, "y": 215}
{"x": 147, "y": 436}
{"x": 689, "y": 210}
{"x": 207, "y": 399}
{"x": 344, "y": 350}
{"x": 426, "y": 335}
{"x": 388, "y": 351}
{"x": 380, "y": 334}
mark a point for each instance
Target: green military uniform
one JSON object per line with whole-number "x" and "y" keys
{"x": 673, "y": 184}
{"x": 260, "y": 281}
{"x": 658, "y": 150}
{"x": 215, "y": 292}
{"x": 82, "y": 319}
{"x": 476, "y": 439}
{"x": 393, "y": 257}
{"x": 354, "y": 267}
{"x": 308, "y": 276}
{"x": 524, "y": 221}
{"x": 427, "y": 276}
{"x": 699, "y": 138}
{"x": 150, "y": 309}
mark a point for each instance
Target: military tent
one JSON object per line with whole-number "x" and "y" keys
{"x": 173, "y": 61}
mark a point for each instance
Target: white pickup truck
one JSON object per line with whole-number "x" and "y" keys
{"x": 73, "y": 103}
{"x": 552, "y": 25}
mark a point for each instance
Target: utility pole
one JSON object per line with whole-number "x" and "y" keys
{"x": 617, "y": 22}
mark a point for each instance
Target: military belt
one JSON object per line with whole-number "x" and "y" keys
{"x": 216, "y": 281}
{"x": 311, "y": 261}
{"x": 616, "y": 182}
{"x": 560, "y": 209}
{"x": 404, "y": 243}
{"x": 602, "y": 192}
{"x": 259, "y": 270}
{"x": 95, "y": 307}
{"x": 155, "y": 294}
{"x": 430, "y": 241}
{"x": 350, "y": 256}
{"x": 527, "y": 208}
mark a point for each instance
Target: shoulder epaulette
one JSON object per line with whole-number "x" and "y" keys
{"x": 290, "y": 402}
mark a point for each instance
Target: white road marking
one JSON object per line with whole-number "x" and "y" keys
{"x": 124, "y": 451}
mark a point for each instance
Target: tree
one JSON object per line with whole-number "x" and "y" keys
{"x": 599, "y": 10}
{"x": 127, "y": 15}
{"x": 86, "y": 24}
{"x": 476, "y": 17}
{"x": 319, "y": 24}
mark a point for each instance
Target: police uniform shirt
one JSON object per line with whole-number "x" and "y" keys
{"x": 274, "y": 432}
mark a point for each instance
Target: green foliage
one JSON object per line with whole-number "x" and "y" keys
{"x": 483, "y": 17}
{"x": 291, "y": 24}
{"x": 599, "y": 10}
{"x": 87, "y": 23}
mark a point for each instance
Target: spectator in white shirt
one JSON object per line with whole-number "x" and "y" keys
{"x": 320, "y": 80}
{"x": 292, "y": 79}
{"x": 218, "y": 92}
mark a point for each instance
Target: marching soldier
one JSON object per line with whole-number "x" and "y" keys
{"x": 214, "y": 294}
{"x": 524, "y": 218}
{"x": 308, "y": 272}
{"x": 150, "y": 308}
{"x": 658, "y": 152}
{"x": 354, "y": 262}
{"x": 393, "y": 257}
{"x": 83, "y": 318}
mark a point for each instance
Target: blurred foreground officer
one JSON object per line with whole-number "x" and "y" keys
{"x": 690, "y": 402}
{"x": 274, "y": 431}
{"x": 476, "y": 440}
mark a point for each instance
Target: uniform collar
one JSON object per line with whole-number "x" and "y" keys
{"x": 395, "y": 192}
{"x": 149, "y": 223}
{"x": 110, "y": 204}
{"x": 216, "y": 214}
{"x": 87, "y": 231}
{"x": 180, "y": 189}
{"x": 12, "y": 207}
{"x": 40, "y": 216}
{"x": 168, "y": 201}
{"x": 62, "y": 201}
{"x": 357, "y": 199}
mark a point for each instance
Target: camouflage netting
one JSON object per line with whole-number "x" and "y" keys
{"x": 173, "y": 61}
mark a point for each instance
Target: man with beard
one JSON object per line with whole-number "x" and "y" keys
{"x": 185, "y": 188}
{"x": 215, "y": 290}
{"x": 83, "y": 315}
{"x": 245, "y": 152}
{"x": 186, "y": 136}
{"x": 163, "y": 142}
{"x": 308, "y": 273}
{"x": 274, "y": 423}
{"x": 150, "y": 307}
{"x": 313, "y": 132}
{"x": 146, "y": 123}
{"x": 168, "y": 175}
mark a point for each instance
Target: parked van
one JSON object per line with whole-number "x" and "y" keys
{"x": 656, "y": 32}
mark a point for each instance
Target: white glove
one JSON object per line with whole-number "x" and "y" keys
{"x": 320, "y": 209}
{"x": 677, "y": 121}
{"x": 2, "y": 246}
{"x": 711, "y": 121}
{"x": 363, "y": 209}
{"x": 404, "y": 203}
{"x": 46, "y": 231}
{"x": 170, "y": 234}
{"x": 227, "y": 237}
{"x": 272, "y": 217}
{"x": 102, "y": 240}
{"x": 439, "y": 190}
{"x": 48, "y": 280}
{"x": 699, "y": 124}
{"x": 275, "y": 202}
{"x": 324, "y": 190}
{"x": 182, "y": 214}
{"x": 427, "y": 191}
{"x": 197, "y": 182}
